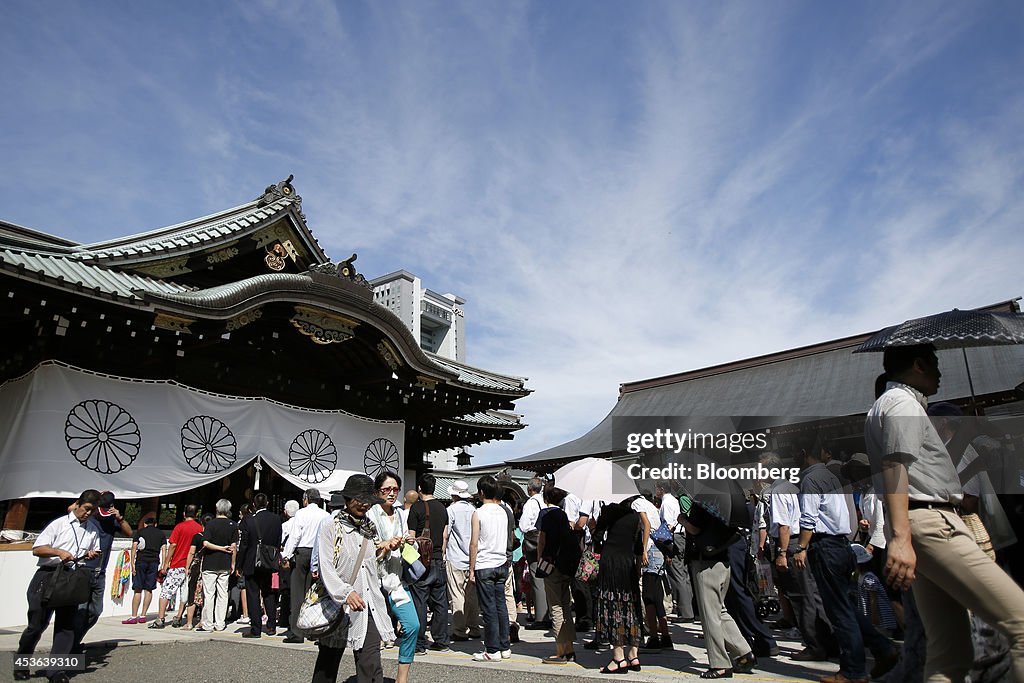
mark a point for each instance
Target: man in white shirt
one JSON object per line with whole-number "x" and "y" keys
{"x": 678, "y": 572}
{"x": 465, "y": 610}
{"x": 298, "y": 552}
{"x": 67, "y": 539}
{"x": 528, "y": 525}
{"x": 930, "y": 547}
{"x": 795, "y": 583}
{"x": 825, "y": 545}
{"x": 284, "y": 575}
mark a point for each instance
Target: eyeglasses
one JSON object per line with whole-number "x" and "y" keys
{"x": 389, "y": 489}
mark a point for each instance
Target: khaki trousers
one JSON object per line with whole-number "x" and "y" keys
{"x": 465, "y": 607}
{"x": 953, "y": 576}
{"x": 557, "y": 590}
{"x": 510, "y": 598}
{"x": 721, "y": 635}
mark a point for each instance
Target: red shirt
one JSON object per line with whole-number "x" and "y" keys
{"x": 181, "y": 538}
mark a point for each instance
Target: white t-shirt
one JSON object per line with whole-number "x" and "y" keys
{"x": 670, "y": 511}
{"x": 646, "y": 508}
{"x": 493, "y": 540}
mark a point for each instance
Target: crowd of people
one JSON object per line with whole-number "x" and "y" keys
{"x": 841, "y": 547}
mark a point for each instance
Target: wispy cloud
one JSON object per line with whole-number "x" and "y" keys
{"x": 620, "y": 192}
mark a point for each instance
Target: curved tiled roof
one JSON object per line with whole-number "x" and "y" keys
{"x": 480, "y": 378}
{"x": 62, "y": 271}
{"x": 490, "y": 418}
{"x": 193, "y": 234}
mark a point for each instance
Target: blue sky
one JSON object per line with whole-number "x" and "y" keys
{"x": 620, "y": 190}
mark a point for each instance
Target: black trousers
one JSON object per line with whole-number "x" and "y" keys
{"x": 260, "y": 597}
{"x": 740, "y": 604}
{"x": 39, "y": 616}
{"x": 368, "y": 666}
{"x": 300, "y": 582}
{"x": 284, "y": 597}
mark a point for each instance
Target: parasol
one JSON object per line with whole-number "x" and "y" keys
{"x": 596, "y": 479}
{"x": 951, "y": 330}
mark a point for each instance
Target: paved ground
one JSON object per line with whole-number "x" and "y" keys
{"x": 120, "y": 653}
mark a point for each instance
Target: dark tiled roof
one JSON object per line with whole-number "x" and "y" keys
{"x": 481, "y": 378}
{"x": 836, "y": 382}
{"x": 68, "y": 273}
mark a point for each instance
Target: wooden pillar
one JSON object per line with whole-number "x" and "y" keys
{"x": 17, "y": 513}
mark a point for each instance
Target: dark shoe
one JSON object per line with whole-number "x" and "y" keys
{"x": 782, "y": 625}
{"x": 60, "y": 678}
{"x": 653, "y": 644}
{"x": 745, "y": 664}
{"x": 291, "y": 639}
{"x": 666, "y": 642}
{"x": 717, "y": 673}
{"x": 595, "y": 645}
{"x": 22, "y": 674}
{"x": 560, "y": 659}
{"x": 634, "y": 664}
{"x": 462, "y": 639}
{"x": 159, "y": 623}
{"x": 250, "y": 634}
{"x": 539, "y": 626}
{"x": 621, "y": 667}
{"x": 885, "y": 664}
{"x": 421, "y": 650}
{"x": 584, "y": 626}
{"x": 809, "y": 655}
{"x": 177, "y": 622}
{"x": 438, "y": 647}
{"x": 766, "y": 650}
{"x": 513, "y": 632}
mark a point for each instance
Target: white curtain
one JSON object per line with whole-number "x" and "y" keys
{"x": 65, "y": 430}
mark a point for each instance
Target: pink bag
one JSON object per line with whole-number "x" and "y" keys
{"x": 274, "y": 582}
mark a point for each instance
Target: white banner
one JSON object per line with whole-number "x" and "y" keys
{"x": 65, "y": 430}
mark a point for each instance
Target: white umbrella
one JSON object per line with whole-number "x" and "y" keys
{"x": 596, "y": 479}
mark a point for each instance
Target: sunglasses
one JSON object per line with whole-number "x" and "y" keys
{"x": 389, "y": 489}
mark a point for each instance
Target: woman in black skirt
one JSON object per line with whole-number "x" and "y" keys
{"x": 617, "y": 602}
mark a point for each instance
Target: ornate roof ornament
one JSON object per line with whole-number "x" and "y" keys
{"x": 345, "y": 269}
{"x": 283, "y": 190}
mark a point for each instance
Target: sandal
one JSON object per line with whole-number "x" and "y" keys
{"x": 621, "y": 667}
{"x": 634, "y": 664}
{"x": 717, "y": 673}
{"x": 159, "y": 623}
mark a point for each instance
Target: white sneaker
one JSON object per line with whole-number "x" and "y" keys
{"x": 488, "y": 656}
{"x": 243, "y": 621}
{"x": 506, "y": 654}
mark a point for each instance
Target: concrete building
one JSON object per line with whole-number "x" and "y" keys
{"x": 437, "y": 320}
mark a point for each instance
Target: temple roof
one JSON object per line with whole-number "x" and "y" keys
{"x": 787, "y": 388}
{"x": 216, "y": 293}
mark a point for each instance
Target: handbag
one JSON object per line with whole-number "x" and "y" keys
{"x": 268, "y": 557}
{"x": 589, "y": 564}
{"x": 981, "y": 535}
{"x": 425, "y": 544}
{"x": 412, "y": 569}
{"x": 544, "y": 568}
{"x": 68, "y": 585}
{"x": 319, "y": 613}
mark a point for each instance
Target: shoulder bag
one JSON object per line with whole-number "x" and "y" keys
{"x": 69, "y": 584}
{"x": 424, "y": 544}
{"x": 268, "y": 557}
{"x": 320, "y": 614}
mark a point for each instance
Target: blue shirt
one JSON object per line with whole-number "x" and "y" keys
{"x": 823, "y": 506}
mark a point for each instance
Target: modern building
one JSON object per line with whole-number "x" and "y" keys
{"x": 437, "y": 320}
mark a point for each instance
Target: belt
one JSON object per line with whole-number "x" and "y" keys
{"x": 924, "y": 505}
{"x": 817, "y": 536}
{"x": 47, "y": 568}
